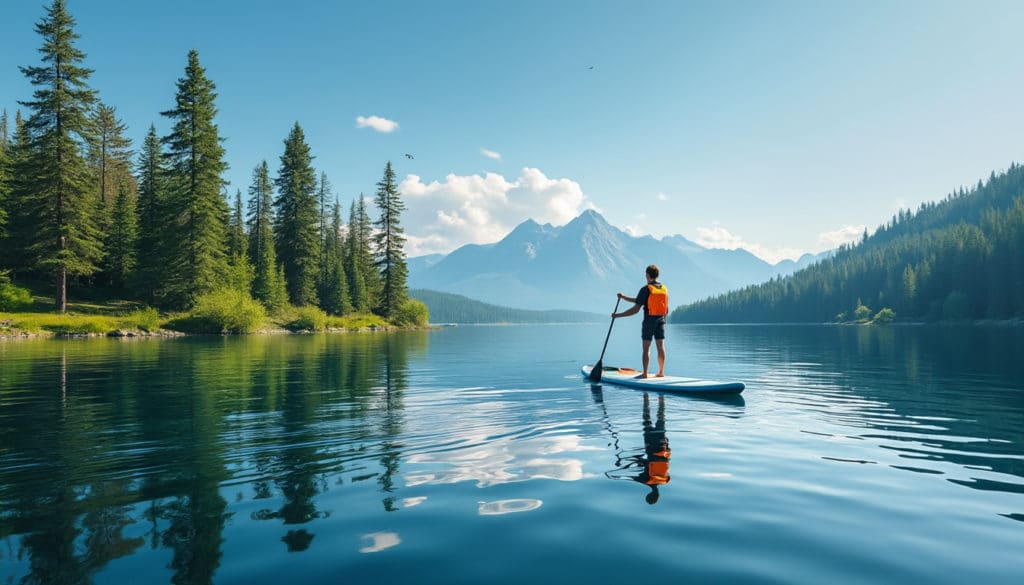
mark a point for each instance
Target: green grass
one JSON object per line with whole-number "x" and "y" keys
{"x": 218, "y": 313}
{"x": 304, "y": 319}
{"x": 78, "y": 324}
{"x": 222, "y": 311}
{"x": 356, "y": 321}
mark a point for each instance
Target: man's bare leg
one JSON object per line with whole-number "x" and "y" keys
{"x": 646, "y": 357}
{"x": 660, "y": 343}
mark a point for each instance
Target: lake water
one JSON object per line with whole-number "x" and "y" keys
{"x": 478, "y": 454}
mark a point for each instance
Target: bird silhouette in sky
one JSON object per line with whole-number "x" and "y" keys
{"x": 409, "y": 156}
{"x": 590, "y": 67}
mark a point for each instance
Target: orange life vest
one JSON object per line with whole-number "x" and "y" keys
{"x": 657, "y": 468}
{"x": 657, "y": 300}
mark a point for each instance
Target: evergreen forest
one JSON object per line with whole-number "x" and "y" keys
{"x": 961, "y": 258}
{"x": 88, "y": 213}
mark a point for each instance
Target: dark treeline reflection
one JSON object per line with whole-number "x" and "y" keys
{"x": 109, "y": 448}
{"x": 932, "y": 393}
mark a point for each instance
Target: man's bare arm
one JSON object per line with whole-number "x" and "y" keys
{"x": 628, "y": 312}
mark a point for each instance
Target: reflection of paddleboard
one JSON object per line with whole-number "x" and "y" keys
{"x": 628, "y": 377}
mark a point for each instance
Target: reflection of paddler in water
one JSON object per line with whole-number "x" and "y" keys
{"x": 656, "y": 450}
{"x": 655, "y": 460}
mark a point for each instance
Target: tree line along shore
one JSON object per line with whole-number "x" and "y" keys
{"x": 150, "y": 239}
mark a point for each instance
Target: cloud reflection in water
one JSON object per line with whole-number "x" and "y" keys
{"x": 502, "y": 461}
{"x": 378, "y": 541}
{"x": 512, "y": 506}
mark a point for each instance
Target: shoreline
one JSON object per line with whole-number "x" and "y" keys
{"x": 171, "y": 334}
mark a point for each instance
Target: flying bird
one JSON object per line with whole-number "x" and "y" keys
{"x": 409, "y": 156}
{"x": 590, "y": 67}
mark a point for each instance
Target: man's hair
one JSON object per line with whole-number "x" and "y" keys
{"x": 653, "y": 271}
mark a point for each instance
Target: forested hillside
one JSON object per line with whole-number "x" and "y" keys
{"x": 959, "y": 258}
{"x": 452, "y": 308}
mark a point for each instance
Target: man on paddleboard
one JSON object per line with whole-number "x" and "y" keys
{"x": 653, "y": 299}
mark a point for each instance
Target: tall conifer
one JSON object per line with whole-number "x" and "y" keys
{"x": 323, "y": 192}
{"x": 389, "y": 242}
{"x": 353, "y": 264}
{"x": 109, "y": 157}
{"x": 20, "y": 217}
{"x": 5, "y": 174}
{"x": 236, "y": 228}
{"x": 371, "y": 275}
{"x": 152, "y": 217}
{"x": 335, "y": 298}
{"x": 121, "y": 257}
{"x": 109, "y": 154}
{"x": 296, "y": 229}
{"x": 65, "y": 239}
{"x": 197, "y": 260}
{"x": 268, "y": 283}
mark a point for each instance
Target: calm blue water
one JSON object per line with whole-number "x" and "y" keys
{"x": 479, "y": 455}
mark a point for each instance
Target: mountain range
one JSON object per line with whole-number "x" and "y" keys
{"x": 452, "y": 308}
{"x": 581, "y": 265}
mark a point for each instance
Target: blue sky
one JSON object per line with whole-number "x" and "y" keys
{"x": 772, "y": 125}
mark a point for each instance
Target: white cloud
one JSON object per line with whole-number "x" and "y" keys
{"x": 633, "y": 230}
{"x": 843, "y": 235}
{"x": 719, "y": 237}
{"x": 442, "y": 216}
{"x": 490, "y": 154}
{"x": 377, "y": 123}
{"x": 662, "y": 197}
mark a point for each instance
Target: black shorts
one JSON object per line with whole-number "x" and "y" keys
{"x": 653, "y": 328}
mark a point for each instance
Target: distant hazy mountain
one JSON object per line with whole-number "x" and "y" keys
{"x": 420, "y": 263}
{"x": 581, "y": 265}
{"x": 453, "y": 308}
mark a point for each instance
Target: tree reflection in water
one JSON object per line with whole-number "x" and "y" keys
{"x": 99, "y": 436}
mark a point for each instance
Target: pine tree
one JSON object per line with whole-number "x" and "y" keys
{"x": 389, "y": 242}
{"x": 20, "y": 217}
{"x": 236, "y": 228}
{"x": 65, "y": 239}
{"x": 241, "y": 274}
{"x": 323, "y": 192}
{"x": 109, "y": 154}
{"x": 909, "y": 289}
{"x": 353, "y": 264}
{"x": 198, "y": 258}
{"x": 296, "y": 229}
{"x": 335, "y": 296}
{"x": 278, "y": 297}
{"x": 5, "y": 174}
{"x": 152, "y": 218}
{"x": 268, "y": 284}
{"x": 120, "y": 262}
{"x": 109, "y": 157}
{"x": 371, "y": 276}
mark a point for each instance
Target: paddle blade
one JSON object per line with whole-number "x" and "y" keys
{"x": 595, "y": 373}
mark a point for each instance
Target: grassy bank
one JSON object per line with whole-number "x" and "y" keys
{"x": 148, "y": 323}
{"x": 218, "y": 313}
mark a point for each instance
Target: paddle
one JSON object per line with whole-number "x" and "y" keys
{"x": 595, "y": 374}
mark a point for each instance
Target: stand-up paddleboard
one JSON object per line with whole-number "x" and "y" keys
{"x": 628, "y": 377}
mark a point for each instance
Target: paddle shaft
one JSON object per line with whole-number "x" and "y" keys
{"x": 600, "y": 361}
